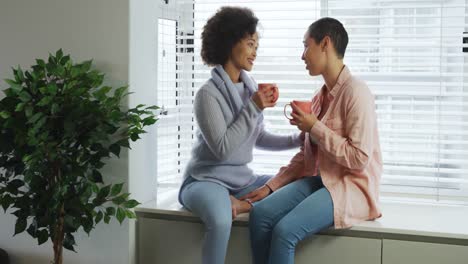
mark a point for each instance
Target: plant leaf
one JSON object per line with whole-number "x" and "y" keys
{"x": 19, "y": 107}
{"x": 52, "y": 88}
{"x": 24, "y": 96}
{"x": 124, "y": 143}
{"x": 15, "y": 184}
{"x": 14, "y": 85}
{"x": 42, "y": 236}
{"x": 106, "y": 219}
{"x": 32, "y": 229}
{"x": 35, "y": 117}
{"x": 130, "y": 214}
{"x": 59, "y": 54}
{"x": 41, "y": 63}
{"x": 86, "y": 66}
{"x": 110, "y": 211}
{"x": 120, "y": 215}
{"x": 97, "y": 177}
{"x": 104, "y": 192}
{"x": 87, "y": 224}
{"x": 45, "y": 101}
{"x": 6, "y": 201}
{"x": 20, "y": 225}
{"x": 69, "y": 242}
{"x": 116, "y": 189}
{"x": 115, "y": 149}
{"x": 28, "y": 110}
{"x": 98, "y": 217}
{"x": 55, "y": 108}
{"x": 4, "y": 114}
{"x": 131, "y": 204}
{"x": 118, "y": 200}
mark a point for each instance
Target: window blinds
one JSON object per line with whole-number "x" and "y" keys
{"x": 175, "y": 91}
{"x": 410, "y": 53}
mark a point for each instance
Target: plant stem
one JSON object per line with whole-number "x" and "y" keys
{"x": 58, "y": 238}
{"x": 59, "y": 231}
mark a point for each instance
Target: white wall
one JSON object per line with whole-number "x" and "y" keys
{"x": 143, "y": 83}
{"x": 86, "y": 29}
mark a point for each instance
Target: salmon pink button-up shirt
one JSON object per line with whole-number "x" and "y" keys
{"x": 344, "y": 147}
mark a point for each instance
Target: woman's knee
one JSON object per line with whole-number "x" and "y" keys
{"x": 260, "y": 211}
{"x": 219, "y": 224}
{"x": 283, "y": 234}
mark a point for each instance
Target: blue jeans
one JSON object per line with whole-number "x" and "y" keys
{"x": 290, "y": 214}
{"x": 210, "y": 201}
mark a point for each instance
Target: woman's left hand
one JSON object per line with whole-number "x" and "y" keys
{"x": 303, "y": 121}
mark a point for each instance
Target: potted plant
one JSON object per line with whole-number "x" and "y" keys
{"x": 4, "y": 257}
{"x": 58, "y": 124}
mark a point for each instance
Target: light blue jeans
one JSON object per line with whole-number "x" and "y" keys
{"x": 287, "y": 216}
{"x": 210, "y": 201}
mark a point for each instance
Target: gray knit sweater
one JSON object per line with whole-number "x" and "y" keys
{"x": 228, "y": 131}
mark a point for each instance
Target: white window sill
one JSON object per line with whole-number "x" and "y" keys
{"x": 437, "y": 223}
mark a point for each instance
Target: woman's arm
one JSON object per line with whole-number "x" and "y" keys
{"x": 269, "y": 141}
{"x": 288, "y": 173}
{"x": 285, "y": 175}
{"x": 221, "y": 138}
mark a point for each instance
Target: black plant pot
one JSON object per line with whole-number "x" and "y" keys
{"x": 4, "y": 257}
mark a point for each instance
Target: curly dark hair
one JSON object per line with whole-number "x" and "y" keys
{"x": 222, "y": 32}
{"x": 332, "y": 28}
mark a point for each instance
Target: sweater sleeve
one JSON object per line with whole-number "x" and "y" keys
{"x": 269, "y": 141}
{"x": 222, "y": 138}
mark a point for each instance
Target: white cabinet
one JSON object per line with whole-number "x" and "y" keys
{"x": 339, "y": 249}
{"x": 179, "y": 242}
{"x": 406, "y": 252}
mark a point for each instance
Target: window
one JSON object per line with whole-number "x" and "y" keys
{"x": 175, "y": 92}
{"x": 410, "y": 53}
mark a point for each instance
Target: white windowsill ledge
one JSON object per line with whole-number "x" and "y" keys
{"x": 401, "y": 221}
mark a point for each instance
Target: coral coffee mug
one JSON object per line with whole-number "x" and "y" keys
{"x": 305, "y": 106}
{"x": 273, "y": 86}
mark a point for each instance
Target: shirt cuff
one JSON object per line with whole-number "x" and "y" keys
{"x": 313, "y": 139}
{"x": 318, "y": 131}
{"x": 272, "y": 185}
{"x": 279, "y": 180}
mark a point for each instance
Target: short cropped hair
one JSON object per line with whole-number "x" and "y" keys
{"x": 332, "y": 28}
{"x": 223, "y": 31}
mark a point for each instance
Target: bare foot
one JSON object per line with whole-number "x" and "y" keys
{"x": 238, "y": 207}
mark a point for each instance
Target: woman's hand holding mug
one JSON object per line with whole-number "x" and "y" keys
{"x": 266, "y": 96}
{"x": 301, "y": 115}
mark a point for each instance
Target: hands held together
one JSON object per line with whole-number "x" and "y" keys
{"x": 244, "y": 203}
{"x": 257, "y": 194}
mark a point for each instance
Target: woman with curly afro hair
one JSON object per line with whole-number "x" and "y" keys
{"x": 228, "y": 109}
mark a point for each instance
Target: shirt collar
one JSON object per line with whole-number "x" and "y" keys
{"x": 345, "y": 74}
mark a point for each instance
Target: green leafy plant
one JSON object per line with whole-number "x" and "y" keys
{"x": 57, "y": 125}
